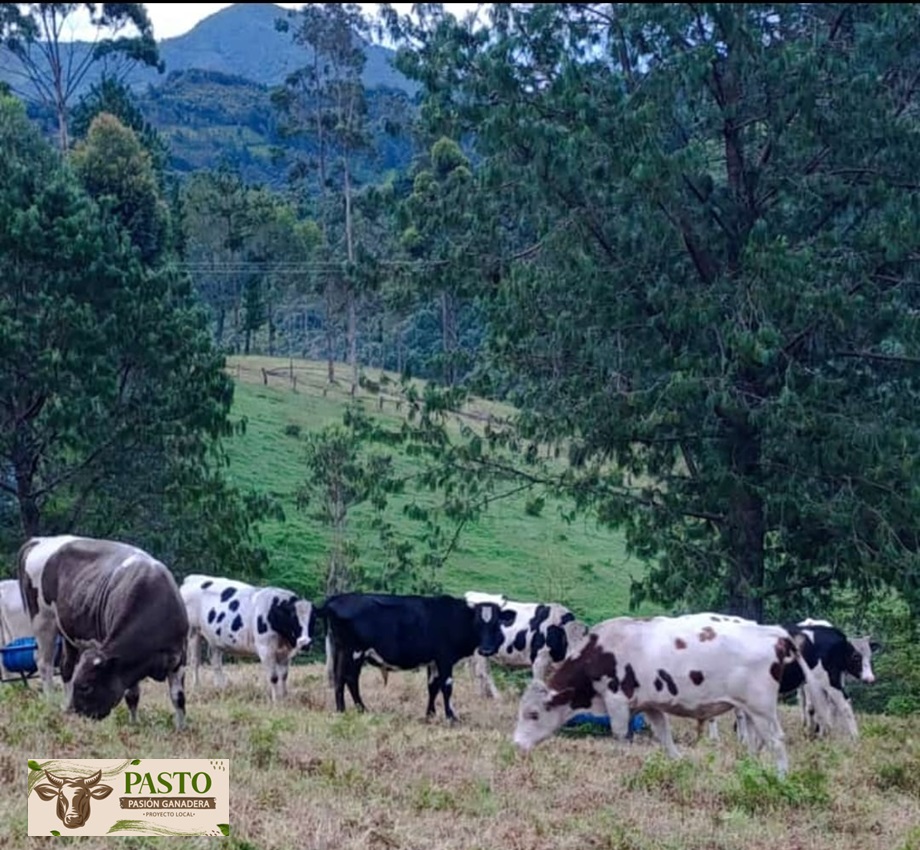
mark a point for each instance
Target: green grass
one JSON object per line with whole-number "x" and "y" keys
{"x": 506, "y": 551}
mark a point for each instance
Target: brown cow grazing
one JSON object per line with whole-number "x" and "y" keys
{"x": 74, "y": 812}
{"x": 120, "y": 614}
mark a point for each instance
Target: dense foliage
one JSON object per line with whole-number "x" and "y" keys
{"x": 720, "y": 313}
{"x": 113, "y": 396}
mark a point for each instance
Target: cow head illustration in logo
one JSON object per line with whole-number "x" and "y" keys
{"x": 73, "y": 796}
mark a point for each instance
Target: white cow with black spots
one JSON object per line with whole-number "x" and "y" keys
{"x": 534, "y": 635}
{"x": 236, "y": 618}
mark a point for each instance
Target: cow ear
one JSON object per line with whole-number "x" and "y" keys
{"x": 46, "y": 792}
{"x": 541, "y": 666}
{"x": 539, "y": 688}
{"x": 100, "y": 792}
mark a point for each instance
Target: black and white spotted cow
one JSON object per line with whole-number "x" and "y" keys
{"x": 534, "y": 634}
{"x": 696, "y": 666}
{"x": 236, "y": 618}
{"x": 831, "y": 655}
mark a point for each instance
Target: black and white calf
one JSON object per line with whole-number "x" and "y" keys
{"x": 832, "y": 655}
{"x": 534, "y": 634}
{"x": 232, "y": 617}
{"x": 404, "y": 633}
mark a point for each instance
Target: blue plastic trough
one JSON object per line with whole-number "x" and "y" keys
{"x": 19, "y": 656}
{"x": 636, "y": 723}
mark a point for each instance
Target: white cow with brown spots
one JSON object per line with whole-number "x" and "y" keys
{"x": 236, "y": 618}
{"x": 697, "y": 666}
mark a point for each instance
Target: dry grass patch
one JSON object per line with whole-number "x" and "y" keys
{"x": 305, "y": 777}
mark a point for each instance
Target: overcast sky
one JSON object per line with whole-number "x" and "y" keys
{"x": 172, "y": 19}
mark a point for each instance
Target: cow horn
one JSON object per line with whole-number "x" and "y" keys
{"x": 92, "y": 780}
{"x": 55, "y": 780}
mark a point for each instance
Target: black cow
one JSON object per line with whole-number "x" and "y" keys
{"x": 120, "y": 614}
{"x": 403, "y": 633}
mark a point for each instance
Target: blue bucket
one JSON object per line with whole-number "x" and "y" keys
{"x": 19, "y": 655}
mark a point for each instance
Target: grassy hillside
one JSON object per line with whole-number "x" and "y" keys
{"x": 507, "y": 551}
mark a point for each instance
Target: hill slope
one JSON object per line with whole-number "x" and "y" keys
{"x": 507, "y": 551}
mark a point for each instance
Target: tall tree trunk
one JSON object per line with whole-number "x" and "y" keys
{"x": 745, "y": 530}
{"x": 449, "y": 340}
{"x": 29, "y": 514}
{"x": 330, "y": 333}
{"x": 350, "y": 289}
{"x": 219, "y": 330}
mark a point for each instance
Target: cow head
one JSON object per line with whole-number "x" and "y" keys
{"x": 859, "y": 659}
{"x": 73, "y": 796}
{"x": 292, "y": 619}
{"x": 488, "y": 627}
{"x": 97, "y": 686}
{"x": 540, "y": 714}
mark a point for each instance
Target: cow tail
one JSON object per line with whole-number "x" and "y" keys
{"x": 816, "y": 693}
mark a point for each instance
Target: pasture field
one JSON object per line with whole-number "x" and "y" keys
{"x": 507, "y": 551}
{"x": 302, "y": 776}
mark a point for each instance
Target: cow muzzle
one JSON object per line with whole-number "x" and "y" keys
{"x": 303, "y": 642}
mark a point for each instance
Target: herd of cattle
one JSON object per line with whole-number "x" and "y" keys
{"x": 123, "y": 618}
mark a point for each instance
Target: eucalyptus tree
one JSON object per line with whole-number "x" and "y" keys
{"x": 50, "y": 68}
{"x": 720, "y": 314}
{"x": 325, "y": 101}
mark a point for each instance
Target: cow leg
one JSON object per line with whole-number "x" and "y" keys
{"x": 283, "y": 669}
{"x": 842, "y": 711}
{"x": 176, "y": 681}
{"x": 46, "y": 632}
{"x": 434, "y": 685}
{"x": 132, "y": 698}
{"x": 277, "y": 671}
{"x": 352, "y": 672}
{"x": 620, "y": 715}
{"x": 217, "y": 665}
{"x": 661, "y": 726}
{"x": 444, "y": 680}
{"x": 713, "y": 730}
{"x": 268, "y": 655}
{"x": 479, "y": 666}
{"x": 741, "y": 728}
{"x": 194, "y": 653}
{"x": 767, "y": 728}
{"x": 339, "y": 662}
{"x": 69, "y": 658}
{"x": 330, "y": 655}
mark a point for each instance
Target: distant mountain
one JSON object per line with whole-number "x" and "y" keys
{"x": 212, "y": 104}
{"x": 240, "y": 40}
